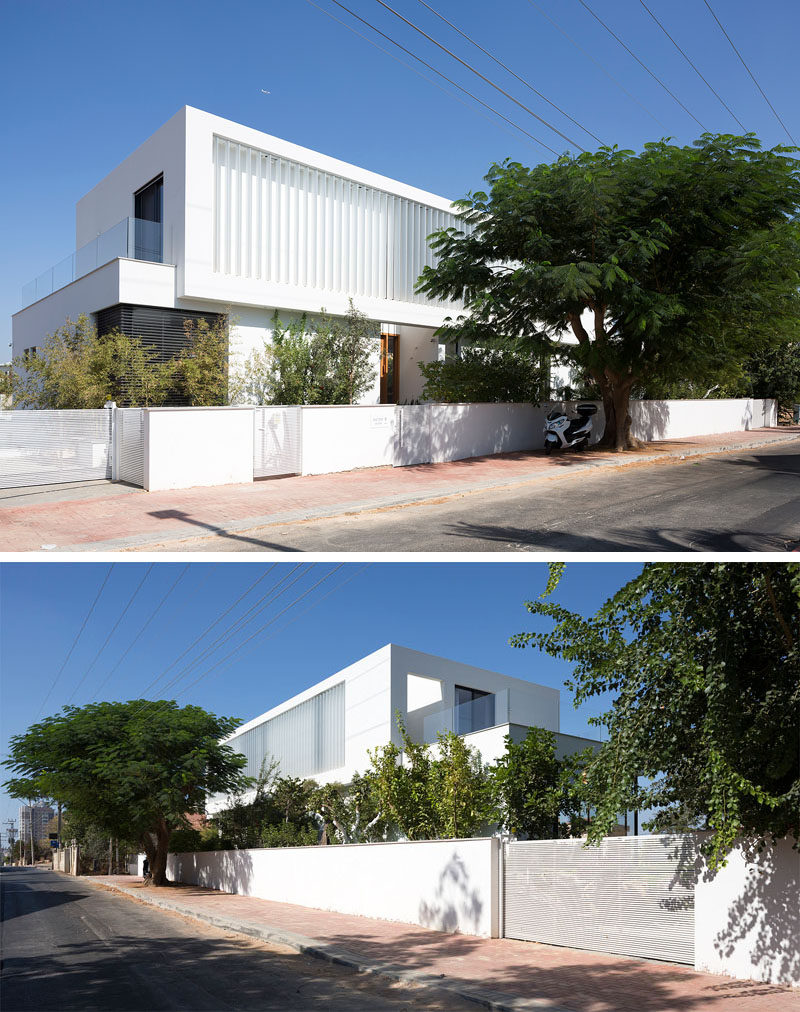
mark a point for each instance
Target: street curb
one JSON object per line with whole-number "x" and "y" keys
{"x": 492, "y": 1001}
{"x": 137, "y": 542}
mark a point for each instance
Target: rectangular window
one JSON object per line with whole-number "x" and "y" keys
{"x": 474, "y": 710}
{"x": 148, "y": 204}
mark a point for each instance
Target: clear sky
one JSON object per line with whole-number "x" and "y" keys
{"x": 465, "y": 611}
{"x": 85, "y": 82}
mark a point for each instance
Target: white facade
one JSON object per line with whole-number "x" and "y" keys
{"x": 327, "y": 731}
{"x": 250, "y": 224}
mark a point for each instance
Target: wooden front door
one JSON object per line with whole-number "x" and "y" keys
{"x": 389, "y": 385}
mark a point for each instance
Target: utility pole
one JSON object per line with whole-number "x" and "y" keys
{"x": 33, "y": 853}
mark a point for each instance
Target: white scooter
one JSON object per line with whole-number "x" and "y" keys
{"x": 561, "y": 431}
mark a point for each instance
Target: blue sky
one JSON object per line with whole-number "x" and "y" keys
{"x": 84, "y": 83}
{"x": 462, "y": 610}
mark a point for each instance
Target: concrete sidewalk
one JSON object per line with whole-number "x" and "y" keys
{"x": 102, "y": 520}
{"x": 500, "y": 974}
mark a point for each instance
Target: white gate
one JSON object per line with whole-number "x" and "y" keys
{"x": 631, "y": 895}
{"x": 50, "y": 447}
{"x": 277, "y": 441}
{"x": 129, "y": 446}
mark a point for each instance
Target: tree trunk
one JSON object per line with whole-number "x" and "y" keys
{"x": 157, "y": 848}
{"x": 616, "y": 391}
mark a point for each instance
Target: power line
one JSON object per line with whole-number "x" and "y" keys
{"x": 642, "y": 65}
{"x": 749, "y": 71}
{"x": 444, "y": 77}
{"x": 477, "y": 73}
{"x": 694, "y": 68}
{"x": 403, "y": 63}
{"x": 206, "y": 631}
{"x": 510, "y": 71}
{"x": 138, "y": 636}
{"x": 273, "y": 593}
{"x": 597, "y": 63}
{"x": 75, "y": 641}
{"x": 253, "y": 635}
{"x": 113, "y": 630}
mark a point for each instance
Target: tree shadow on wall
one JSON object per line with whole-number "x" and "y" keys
{"x": 224, "y": 871}
{"x": 765, "y": 912}
{"x": 455, "y": 902}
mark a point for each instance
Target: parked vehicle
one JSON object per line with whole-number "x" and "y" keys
{"x": 561, "y": 431}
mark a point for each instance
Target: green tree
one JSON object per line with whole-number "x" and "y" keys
{"x": 686, "y": 258}
{"x": 202, "y": 367}
{"x": 351, "y": 813}
{"x": 540, "y": 797}
{"x": 704, "y": 663}
{"x": 485, "y": 375}
{"x": 430, "y": 797}
{"x": 326, "y": 360}
{"x": 774, "y": 372}
{"x": 77, "y": 368}
{"x": 134, "y": 770}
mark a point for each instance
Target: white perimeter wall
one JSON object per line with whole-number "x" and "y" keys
{"x": 341, "y": 438}
{"x": 185, "y": 447}
{"x": 449, "y": 885}
{"x": 747, "y": 916}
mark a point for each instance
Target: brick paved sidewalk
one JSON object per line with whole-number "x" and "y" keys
{"x": 502, "y": 973}
{"x": 109, "y": 522}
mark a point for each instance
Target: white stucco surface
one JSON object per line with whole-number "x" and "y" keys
{"x": 185, "y": 447}
{"x": 449, "y": 885}
{"x": 747, "y": 916}
{"x": 341, "y": 438}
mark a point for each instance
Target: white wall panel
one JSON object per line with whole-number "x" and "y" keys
{"x": 316, "y": 229}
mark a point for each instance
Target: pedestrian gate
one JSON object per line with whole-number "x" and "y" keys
{"x": 631, "y": 895}
{"x": 277, "y": 441}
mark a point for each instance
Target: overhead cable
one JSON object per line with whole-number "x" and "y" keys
{"x": 403, "y": 63}
{"x": 477, "y": 73}
{"x": 508, "y": 70}
{"x": 749, "y": 71}
{"x": 206, "y": 631}
{"x": 449, "y": 80}
{"x": 138, "y": 636}
{"x": 694, "y": 68}
{"x": 113, "y": 630}
{"x": 642, "y": 65}
{"x": 597, "y": 63}
{"x": 75, "y": 641}
{"x": 252, "y": 636}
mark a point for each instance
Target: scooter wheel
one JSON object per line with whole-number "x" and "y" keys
{"x": 548, "y": 449}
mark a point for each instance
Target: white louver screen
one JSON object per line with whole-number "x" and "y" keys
{"x": 49, "y": 447}
{"x": 130, "y": 445}
{"x": 277, "y": 441}
{"x": 307, "y": 739}
{"x": 280, "y": 221}
{"x": 633, "y": 895}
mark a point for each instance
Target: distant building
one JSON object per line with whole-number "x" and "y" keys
{"x": 41, "y": 815}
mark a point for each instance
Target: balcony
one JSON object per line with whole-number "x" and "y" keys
{"x": 131, "y": 238}
{"x": 475, "y": 715}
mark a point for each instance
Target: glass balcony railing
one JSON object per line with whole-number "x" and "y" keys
{"x": 475, "y": 715}
{"x": 132, "y": 238}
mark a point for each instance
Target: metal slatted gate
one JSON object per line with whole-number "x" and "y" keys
{"x": 631, "y": 895}
{"x": 129, "y": 446}
{"x": 51, "y": 447}
{"x": 277, "y": 441}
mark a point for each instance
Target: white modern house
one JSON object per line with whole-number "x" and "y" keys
{"x": 326, "y": 731}
{"x": 208, "y": 216}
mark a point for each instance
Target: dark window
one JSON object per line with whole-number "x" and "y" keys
{"x": 161, "y": 329}
{"x": 148, "y": 207}
{"x": 474, "y": 710}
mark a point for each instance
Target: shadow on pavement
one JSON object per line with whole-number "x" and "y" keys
{"x": 213, "y": 529}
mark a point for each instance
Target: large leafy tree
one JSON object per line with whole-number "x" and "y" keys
{"x": 703, "y": 660}
{"x": 671, "y": 264}
{"x": 134, "y": 770}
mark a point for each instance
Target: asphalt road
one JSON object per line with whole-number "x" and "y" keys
{"x": 732, "y": 502}
{"x": 67, "y": 945}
